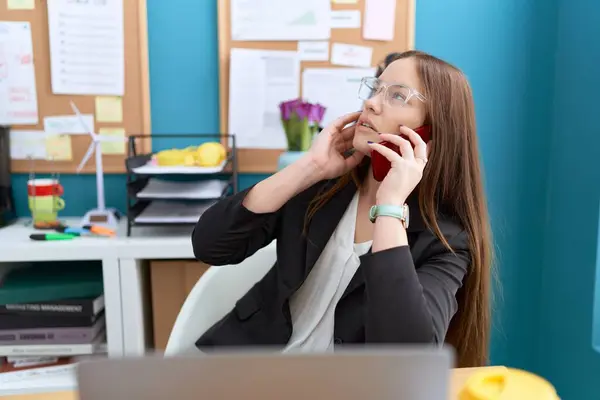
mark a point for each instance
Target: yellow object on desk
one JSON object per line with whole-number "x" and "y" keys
{"x": 501, "y": 383}
{"x": 209, "y": 154}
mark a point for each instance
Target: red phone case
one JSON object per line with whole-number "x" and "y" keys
{"x": 381, "y": 165}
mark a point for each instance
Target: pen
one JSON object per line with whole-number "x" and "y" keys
{"x": 51, "y": 236}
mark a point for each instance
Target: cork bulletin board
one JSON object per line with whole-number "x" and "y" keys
{"x": 265, "y": 160}
{"x": 135, "y": 101}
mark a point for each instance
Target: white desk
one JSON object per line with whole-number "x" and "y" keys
{"x": 152, "y": 243}
{"x": 122, "y": 259}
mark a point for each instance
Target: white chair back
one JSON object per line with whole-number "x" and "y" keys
{"x": 213, "y": 296}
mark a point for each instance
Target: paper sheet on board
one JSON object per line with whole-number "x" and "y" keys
{"x": 345, "y": 19}
{"x": 280, "y": 20}
{"x": 68, "y": 124}
{"x": 18, "y": 93}
{"x": 258, "y": 81}
{"x": 26, "y": 145}
{"x": 87, "y": 51}
{"x": 380, "y": 20}
{"x": 313, "y": 50}
{"x": 350, "y": 55}
{"x": 334, "y": 88}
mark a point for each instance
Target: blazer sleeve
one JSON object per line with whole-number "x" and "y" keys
{"x": 405, "y": 304}
{"x": 228, "y": 233}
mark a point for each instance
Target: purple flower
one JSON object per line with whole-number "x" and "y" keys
{"x": 303, "y": 110}
{"x": 320, "y": 111}
{"x": 285, "y": 111}
{"x": 287, "y": 108}
{"x": 316, "y": 114}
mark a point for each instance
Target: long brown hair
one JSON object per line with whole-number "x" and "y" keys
{"x": 452, "y": 179}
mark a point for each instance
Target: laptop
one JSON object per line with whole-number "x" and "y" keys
{"x": 419, "y": 373}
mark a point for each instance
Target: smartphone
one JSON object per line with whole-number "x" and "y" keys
{"x": 381, "y": 165}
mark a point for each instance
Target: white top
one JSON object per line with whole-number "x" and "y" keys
{"x": 313, "y": 305}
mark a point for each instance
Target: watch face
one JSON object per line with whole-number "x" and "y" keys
{"x": 406, "y": 215}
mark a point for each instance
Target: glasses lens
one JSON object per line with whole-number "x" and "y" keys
{"x": 398, "y": 95}
{"x": 368, "y": 88}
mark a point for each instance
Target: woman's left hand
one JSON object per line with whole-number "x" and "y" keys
{"x": 407, "y": 167}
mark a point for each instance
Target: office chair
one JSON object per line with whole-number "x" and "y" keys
{"x": 213, "y": 296}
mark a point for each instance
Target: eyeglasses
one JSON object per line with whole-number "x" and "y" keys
{"x": 394, "y": 95}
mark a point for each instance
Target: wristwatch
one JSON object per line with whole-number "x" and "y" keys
{"x": 400, "y": 212}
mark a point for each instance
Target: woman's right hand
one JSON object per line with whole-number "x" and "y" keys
{"x": 328, "y": 148}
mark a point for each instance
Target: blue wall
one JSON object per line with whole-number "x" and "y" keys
{"x": 565, "y": 333}
{"x": 596, "y": 326}
{"x": 527, "y": 61}
{"x": 512, "y": 83}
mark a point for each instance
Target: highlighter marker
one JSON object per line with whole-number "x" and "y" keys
{"x": 99, "y": 230}
{"x": 73, "y": 231}
{"x": 50, "y": 236}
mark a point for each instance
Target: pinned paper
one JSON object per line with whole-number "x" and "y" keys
{"x": 87, "y": 51}
{"x": 349, "y": 55}
{"x": 58, "y": 147}
{"x": 380, "y": 20}
{"x": 115, "y": 146}
{"x": 317, "y": 84}
{"x": 345, "y": 19}
{"x": 69, "y": 124}
{"x": 18, "y": 92}
{"x": 109, "y": 109}
{"x": 20, "y": 4}
{"x": 288, "y": 20}
{"x": 313, "y": 50}
{"x": 26, "y": 145}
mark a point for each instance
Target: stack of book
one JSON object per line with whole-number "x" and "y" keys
{"x": 50, "y": 314}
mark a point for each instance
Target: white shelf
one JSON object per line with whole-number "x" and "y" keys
{"x": 203, "y": 190}
{"x": 170, "y": 212}
{"x": 150, "y": 169}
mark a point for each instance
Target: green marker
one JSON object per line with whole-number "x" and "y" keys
{"x": 51, "y": 236}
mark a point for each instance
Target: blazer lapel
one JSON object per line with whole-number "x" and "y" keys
{"x": 417, "y": 224}
{"x": 324, "y": 222}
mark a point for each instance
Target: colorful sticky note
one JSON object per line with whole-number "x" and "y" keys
{"x": 115, "y": 143}
{"x": 20, "y": 4}
{"x": 109, "y": 109}
{"x": 58, "y": 147}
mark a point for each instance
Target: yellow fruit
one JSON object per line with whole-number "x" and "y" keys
{"x": 210, "y": 154}
{"x": 189, "y": 160}
{"x": 170, "y": 157}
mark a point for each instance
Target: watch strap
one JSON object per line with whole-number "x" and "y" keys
{"x": 388, "y": 211}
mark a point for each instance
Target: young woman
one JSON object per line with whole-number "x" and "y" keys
{"x": 352, "y": 267}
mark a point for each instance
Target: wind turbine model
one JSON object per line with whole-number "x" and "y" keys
{"x": 107, "y": 217}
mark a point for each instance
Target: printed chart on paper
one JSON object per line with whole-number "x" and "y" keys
{"x": 280, "y": 20}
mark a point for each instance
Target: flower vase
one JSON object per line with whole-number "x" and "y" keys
{"x": 288, "y": 157}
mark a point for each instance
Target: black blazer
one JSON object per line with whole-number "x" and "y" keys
{"x": 400, "y": 295}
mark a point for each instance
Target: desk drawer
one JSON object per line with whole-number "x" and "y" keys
{"x": 171, "y": 282}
